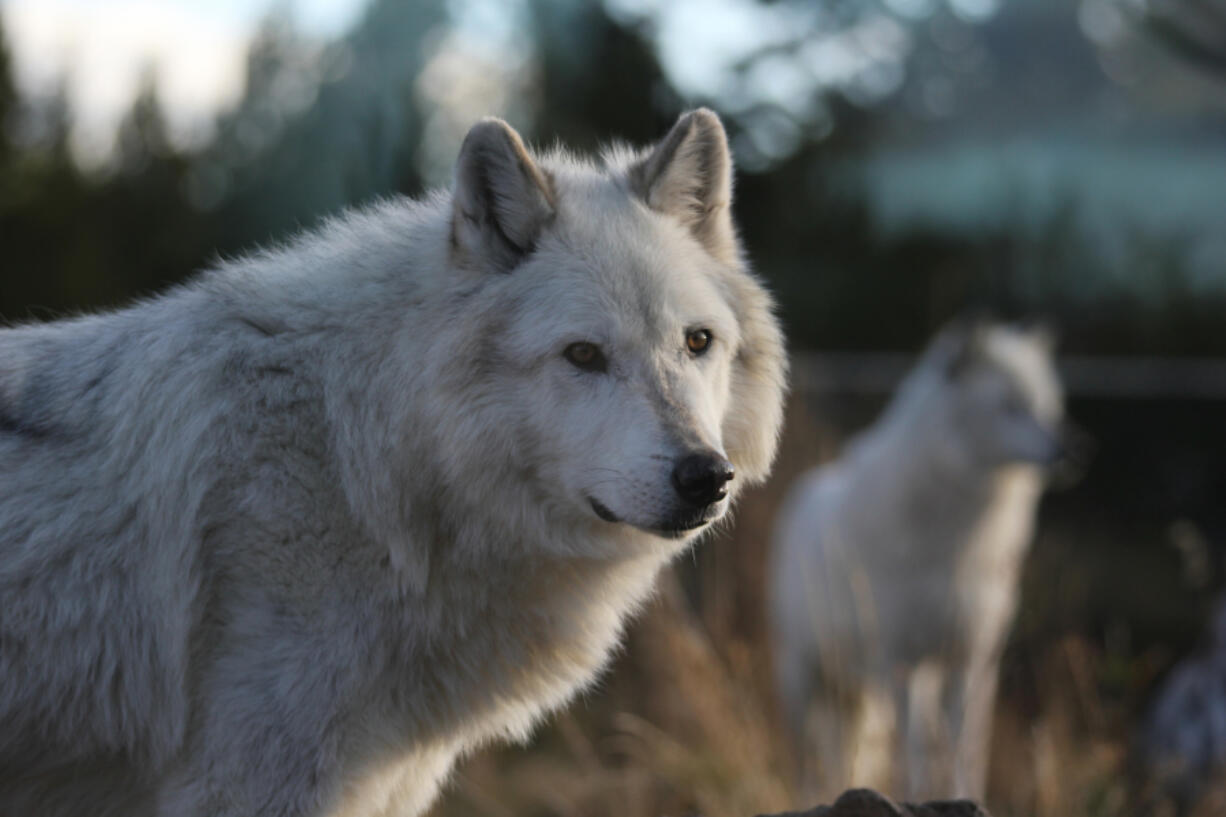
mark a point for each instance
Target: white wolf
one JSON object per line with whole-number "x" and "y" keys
{"x": 895, "y": 570}
{"x": 288, "y": 539}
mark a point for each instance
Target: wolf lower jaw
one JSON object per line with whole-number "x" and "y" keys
{"x": 679, "y": 527}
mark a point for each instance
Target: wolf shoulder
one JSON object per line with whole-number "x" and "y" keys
{"x": 133, "y": 446}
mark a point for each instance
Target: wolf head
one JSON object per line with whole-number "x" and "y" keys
{"x": 631, "y": 363}
{"x": 1003, "y": 400}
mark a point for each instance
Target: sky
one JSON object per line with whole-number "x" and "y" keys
{"x": 101, "y": 48}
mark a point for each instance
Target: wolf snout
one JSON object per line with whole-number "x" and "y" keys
{"x": 702, "y": 478}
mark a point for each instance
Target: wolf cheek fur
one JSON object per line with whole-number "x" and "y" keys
{"x": 299, "y": 533}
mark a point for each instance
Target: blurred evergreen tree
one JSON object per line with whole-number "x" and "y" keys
{"x": 8, "y": 98}
{"x": 142, "y": 133}
{"x": 150, "y": 236}
{"x": 317, "y": 128}
{"x": 75, "y": 240}
{"x": 600, "y": 80}
{"x": 42, "y": 201}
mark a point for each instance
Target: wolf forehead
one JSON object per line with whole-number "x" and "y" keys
{"x": 604, "y": 213}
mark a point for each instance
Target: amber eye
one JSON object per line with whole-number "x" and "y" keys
{"x": 586, "y": 356}
{"x": 698, "y": 340}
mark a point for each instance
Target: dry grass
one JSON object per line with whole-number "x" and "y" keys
{"x": 684, "y": 728}
{"x": 679, "y": 729}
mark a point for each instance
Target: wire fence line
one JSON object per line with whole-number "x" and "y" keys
{"x": 1126, "y": 378}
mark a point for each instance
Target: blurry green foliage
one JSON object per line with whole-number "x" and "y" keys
{"x": 324, "y": 125}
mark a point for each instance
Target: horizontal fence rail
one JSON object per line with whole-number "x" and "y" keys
{"x": 1130, "y": 378}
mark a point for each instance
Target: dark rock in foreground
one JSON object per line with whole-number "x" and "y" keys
{"x": 868, "y": 803}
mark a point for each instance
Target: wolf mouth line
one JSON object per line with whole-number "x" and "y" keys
{"x": 678, "y": 526}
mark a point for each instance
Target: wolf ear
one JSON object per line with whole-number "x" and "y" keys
{"x": 1045, "y": 335}
{"x": 962, "y": 345}
{"x": 688, "y": 175}
{"x": 502, "y": 200}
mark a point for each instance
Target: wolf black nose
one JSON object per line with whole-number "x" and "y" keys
{"x": 702, "y": 479}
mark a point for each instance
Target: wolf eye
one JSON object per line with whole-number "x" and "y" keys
{"x": 586, "y": 356}
{"x": 698, "y": 340}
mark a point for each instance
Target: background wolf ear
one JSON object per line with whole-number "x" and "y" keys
{"x": 1042, "y": 333}
{"x": 963, "y": 345}
{"x": 502, "y": 200}
{"x": 688, "y": 175}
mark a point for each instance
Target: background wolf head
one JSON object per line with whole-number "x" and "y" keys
{"x": 1005, "y": 397}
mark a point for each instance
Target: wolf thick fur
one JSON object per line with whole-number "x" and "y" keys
{"x": 287, "y": 540}
{"x": 895, "y": 570}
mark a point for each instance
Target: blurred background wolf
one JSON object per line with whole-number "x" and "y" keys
{"x": 899, "y": 162}
{"x": 895, "y": 571}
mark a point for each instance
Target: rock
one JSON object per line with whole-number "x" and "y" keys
{"x": 868, "y": 803}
